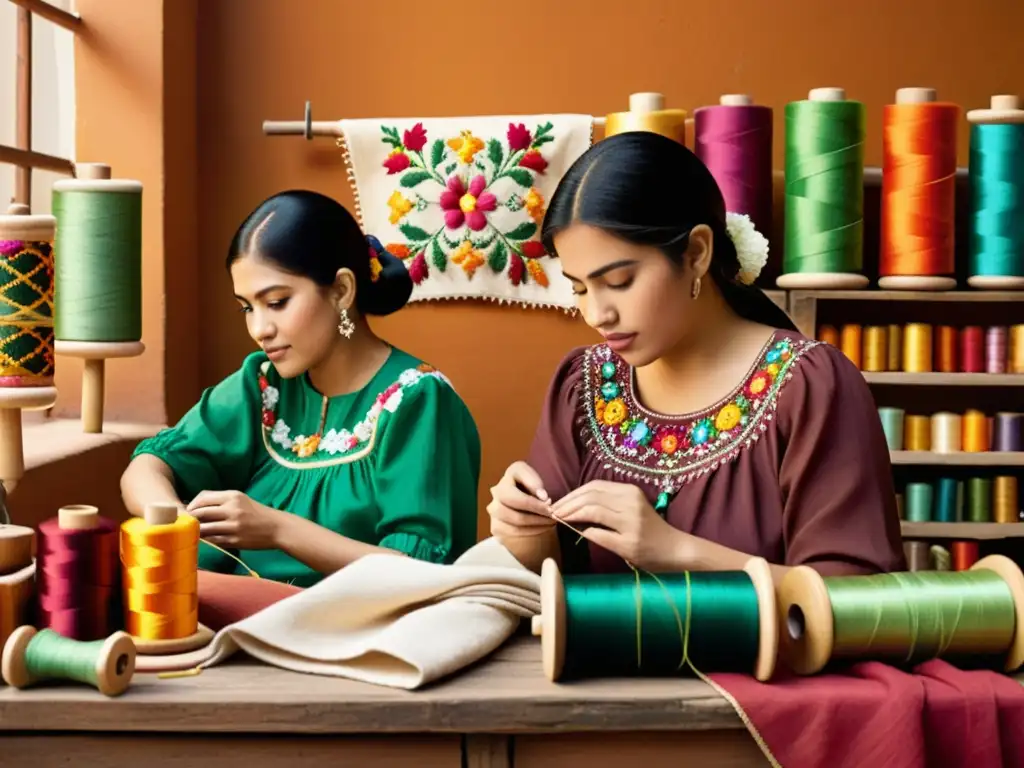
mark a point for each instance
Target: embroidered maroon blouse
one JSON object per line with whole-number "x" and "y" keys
{"x": 792, "y": 465}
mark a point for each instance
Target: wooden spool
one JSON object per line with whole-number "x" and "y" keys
{"x": 550, "y": 623}
{"x": 808, "y": 637}
{"x": 647, "y": 112}
{"x": 96, "y": 353}
{"x": 17, "y": 576}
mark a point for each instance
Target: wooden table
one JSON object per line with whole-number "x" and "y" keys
{"x": 500, "y": 713}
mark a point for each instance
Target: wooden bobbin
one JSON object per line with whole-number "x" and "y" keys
{"x": 808, "y": 637}
{"x": 1004, "y": 109}
{"x": 549, "y": 624}
{"x": 115, "y": 665}
{"x": 916, "y": 282}
{"x": 647, "y": 113}
{"x": 96, "y": 353}
{"x": 19, "y": 224}
{"x": 838, "y": 281}
{"x": 17, "y": 576}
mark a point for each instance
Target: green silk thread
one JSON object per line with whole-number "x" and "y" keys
{"x": 50, "y": 656}
{"x": 997, "y": 197}
{"x": 979, "y": 500}
{"x": 824, "y": 170}
{"x": 918, "y": 502}
{"x": 640, "y": 624}
{"x": 98, "y": 265}
{"x": 913, "y": 617}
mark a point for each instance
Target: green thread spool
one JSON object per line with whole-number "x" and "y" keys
{"x": 947, "y": 500}
{"x": 642, "y": 624}
{"x": 979, "y": 500}
{"x": 32, "y": 657}
{"x": 98, "y": 259}
{"x": 824, "y": 240}
{"x": 892, "y": 426}
{"x": 997, "y": 195}
{"x": 973, "y": 616}
{"x": 919, "y": 498}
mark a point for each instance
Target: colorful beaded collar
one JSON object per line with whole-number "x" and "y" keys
{"x": 669, "y": 451}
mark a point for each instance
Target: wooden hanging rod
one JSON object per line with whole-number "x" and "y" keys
{"x": 49, "y": 12}
{"x": 26, "y": 158}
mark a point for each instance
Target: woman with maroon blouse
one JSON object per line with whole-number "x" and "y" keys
{"x": 705, "y": 428}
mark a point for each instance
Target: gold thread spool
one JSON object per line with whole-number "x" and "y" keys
{"x": 945, "y": 349}
{"x": 1015, "y": 362}
{"x": 947, "y": 432}
{"x": 1005, "y": 500}
{"x": 895, "y": 348}
{"x": 917, "y": 348}
{"x": 851, "y": 343}
{"x": 917, "y": 433}
{"x": 975, "y": 432}
{"x": 829, "y": 335}
{"x": 647, "y": 113}
{"x": 876, "y": 348}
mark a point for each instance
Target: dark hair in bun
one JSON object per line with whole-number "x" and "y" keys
{"x": 309, "y": 234}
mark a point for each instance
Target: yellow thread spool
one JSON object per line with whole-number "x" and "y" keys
{"x": 1005, "y": 500}
{"x": 1015, "y": 363}
{"x": 947, "y": 432}
{"x": 917, "y": 433}
{"x": 917, "y": 348}
{"x": 895, "y": 345}
{"x": 975, "y": 432}
{"x": 647, "y": 113}
{"x": 876, "y": 351}
{"x": 851, "y": 342}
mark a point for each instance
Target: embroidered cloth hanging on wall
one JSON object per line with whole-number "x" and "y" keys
{"x": 461, "y": 200}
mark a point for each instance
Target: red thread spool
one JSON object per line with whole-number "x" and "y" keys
{"x": 972, "y": 349}
{"x": 78, "y": 574}
{"x": 965, "y": 554}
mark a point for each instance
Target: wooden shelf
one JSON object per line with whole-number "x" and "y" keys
{"x": 898, "y": 378}
{"x": 970, "y": 531}
{"x": 961, "y": 459}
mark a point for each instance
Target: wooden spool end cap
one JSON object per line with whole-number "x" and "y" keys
{"x": 827, "y": 94}
{"x": 15, "y": 547}
{"x": 12, "y": 664}
{"x": 1009, "y": 572}
{"x": 161, "y": 514}
{"x": 19, "y": 224}
{"x": 552, "y": 615}
{"x": 78, "y": 517}
{"x": 537, "y": 625}
{"x": 646, "y": 101}
{"x": 18, "y": 209}
{"x": 735, "y": 100}
{"x": 760, "y": 574}
{"x": 98, "y": 350}
{"x": 916, "y": 95}
{"x": 28, "y": 398}
{"x": 92, "y": 171}
{"x": 1003, "y": 108}
{"x": 805, "y": 611}
{"x": 115, "y": 666}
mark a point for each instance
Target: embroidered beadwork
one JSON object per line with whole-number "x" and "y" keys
{"x": 669, "y": 452}
{"x": 335, "y": 441}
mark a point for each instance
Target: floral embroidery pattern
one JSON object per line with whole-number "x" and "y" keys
{"x": 458, "y": 175}
{"x": 669, "y": 452}
{"x": 335, "y": 441}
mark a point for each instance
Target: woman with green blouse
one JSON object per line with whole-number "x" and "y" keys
{"x": 327, "y": 444}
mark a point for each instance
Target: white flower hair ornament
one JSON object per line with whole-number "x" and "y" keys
{"x": 751, "y": 246}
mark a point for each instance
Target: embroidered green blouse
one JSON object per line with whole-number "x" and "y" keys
{"x": 397, "y": 466}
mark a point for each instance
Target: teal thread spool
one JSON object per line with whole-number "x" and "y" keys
{"x": 997, "y": 195}
{"x": 919, "y": 500}
{"x": 638, "y": 624}
{"x": 892, "y": 426}
{"x": 948, "y": 500}
{"x": 32, "y": 657}
{"x": 98, "y": 290}
{"x": 824, "y": 241}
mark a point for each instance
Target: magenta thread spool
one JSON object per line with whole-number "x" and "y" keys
{"x": 995, "y": 349}
{"x": 734, "y": 140}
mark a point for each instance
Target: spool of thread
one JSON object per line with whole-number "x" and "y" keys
{"x": 1016, "y": 357}
{"x": 852, "y": 343}
{"x": 829, "y": 335}
{"x": 995, "y": 349}
{"x": 642, "y": 624}
{"x": 917, "y": 555}
{"x": 892, "y": 426}
{"x": 976, "y": 437}
{"x": 876, "y": 352}
{"x": 917, "y": 348}
{"x": 1005, "y": 499}
{"x": 917, "y": 433}
{"x": 965, "y": 555}
{"x": 17, "y": 577}
{"x": 972, "y": 349}
{"x": 734, "y": 140}
{"x": 979, "y": 500}
{"x": 997, "y": 195}
{"x": 78, "y": 579}
{"x": 160, "y": 561}
{"x": 946, "y": 349}
{"x": 942, "y": 560}
{"x": 647, "y": 113}
{"x": 824, "y": 169}
{"x": 895, "y": 346}
{"x": 948, "y": 502}
{"x": 32, "y": 657}
{"x": 919, "y": 501}
{"x": 903, "y": 618}
{"x": 947, "y": 432}
{"x": 918, "y": 187}
{"x": 1006, "y": 432}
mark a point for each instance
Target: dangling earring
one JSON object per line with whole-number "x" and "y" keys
{"x": 695, "y": 291}
{"x": 346, "y": 327}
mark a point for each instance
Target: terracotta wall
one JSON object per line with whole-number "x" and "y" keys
{"x": 261, "y": 59}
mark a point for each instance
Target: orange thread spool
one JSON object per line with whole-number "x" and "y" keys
{"x": 851, "y": 343}
{"x": 895, "y": 348}
{"x": 1005, "y": 499}
{"x": 829, "y": 335}
{"x": 917, "y": 433}
{"x": 876, "y": 352}
{"x": 965, "y": 554}
{"x": 976, "y": 436}
{"x": 1015, "y": 364}
{"x": 918, "y": 188}
{"x": 945, "y": 349}
{"x": 917, "y": 348}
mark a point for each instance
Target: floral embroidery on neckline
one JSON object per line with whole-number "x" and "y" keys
{"x": 335, "y": 442}
{"x": 669, "y": 451}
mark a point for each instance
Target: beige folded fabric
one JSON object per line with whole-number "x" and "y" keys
{"x": 384, "y": 619}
